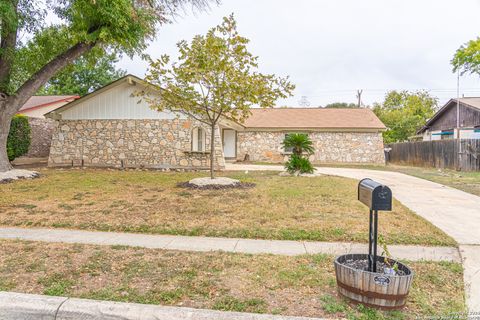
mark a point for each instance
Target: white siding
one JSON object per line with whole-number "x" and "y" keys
{"x": 469, "y": 134}
{"x": 116, "y": 103}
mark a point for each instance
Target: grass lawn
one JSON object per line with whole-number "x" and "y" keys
{"x": 465, "y": 181}
{"x": 292, "y": 208}
{"x": 303, "y": 285}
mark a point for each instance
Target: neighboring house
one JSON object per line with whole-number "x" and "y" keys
{"x": 38, "y": 106}
{"x": 444, "y": 124}
{"x": 112, "y": 127}
{"x": 41, "y": 129}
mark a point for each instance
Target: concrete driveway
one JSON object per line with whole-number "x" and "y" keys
{"x": 455, "y": 212}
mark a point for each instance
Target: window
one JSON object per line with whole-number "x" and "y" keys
{"x": 447, "y": 134}
{"x": 290, "y": 149}
{"x": 198, "y": 140}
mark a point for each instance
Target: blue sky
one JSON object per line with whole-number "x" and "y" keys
{"x": 332, "y": 48}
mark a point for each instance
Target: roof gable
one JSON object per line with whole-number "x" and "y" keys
{"x": 126, "y": 79}
{"x": 470, "y": 102}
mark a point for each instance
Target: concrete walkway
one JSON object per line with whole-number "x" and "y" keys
{"x": 204, "y": 244}
{"x": 455, "y": 212}
{"x": 19, "y": 306}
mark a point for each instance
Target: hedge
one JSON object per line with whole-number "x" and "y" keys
{"x": 18, "y": 140}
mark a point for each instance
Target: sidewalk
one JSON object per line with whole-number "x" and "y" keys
{"x": 280, "y": 247}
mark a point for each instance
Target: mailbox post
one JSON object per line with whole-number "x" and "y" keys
{"x": 364, "y": 284}
{"x": 377, "y": 197}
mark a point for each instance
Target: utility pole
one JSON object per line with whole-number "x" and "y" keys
{"x": 304, "y": 102}
{"x": 359, "y": 97}
{"x": 458, "y": 104}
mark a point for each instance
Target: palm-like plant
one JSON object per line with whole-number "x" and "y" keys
{"x": 300, "y": 144}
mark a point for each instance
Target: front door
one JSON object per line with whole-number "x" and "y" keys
{"x": 229, "y": 143}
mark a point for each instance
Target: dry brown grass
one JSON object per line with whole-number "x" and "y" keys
{"x": 293, "y": 208}
{"x": 303, "y": 285}
{"x": 465, "y": 181}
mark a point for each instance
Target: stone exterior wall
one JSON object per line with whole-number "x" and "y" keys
{"x": 131, "y": 143}
{"x": 41, "y": 137}
{"x": 330, "y": 147}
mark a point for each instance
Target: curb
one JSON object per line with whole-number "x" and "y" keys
{"x": 20, "y": 306}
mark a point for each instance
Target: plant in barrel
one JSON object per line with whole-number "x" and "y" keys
{"x": 373, "y": 280}
{"x": 301, "y": 147}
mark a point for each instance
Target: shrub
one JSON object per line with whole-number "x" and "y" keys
{"x": 18, "y": 140}
{"x": 299, "y": 164}
{"x": 300, "y": 143}
{"x": 301, "y": 147}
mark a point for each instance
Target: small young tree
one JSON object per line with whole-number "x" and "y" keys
{"x": 301, "y": 146}
{"x": 215, "y": 77}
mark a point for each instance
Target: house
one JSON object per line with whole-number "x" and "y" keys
{"x": 111, "y": 127}
{"x": 38, "y": 106}
{"x": 41, "y": 128}
{"x": 452, "y": 123}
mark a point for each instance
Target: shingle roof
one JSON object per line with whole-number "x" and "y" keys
{"x": 471, "y": 101}
{"x": 313, "y": 118}
{"x": 39, "y": 101}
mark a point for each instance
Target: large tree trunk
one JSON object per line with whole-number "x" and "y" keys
{"x": 5, "y": 118}
{"x": 212, "y": 152}
{"x": 4, "y": 129}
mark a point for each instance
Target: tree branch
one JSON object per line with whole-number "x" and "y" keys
{"x": 190, "y": 114}
{"x": 41, "y": 77}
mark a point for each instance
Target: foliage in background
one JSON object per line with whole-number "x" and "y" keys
{"x": 404, "y": 113}
{"x": 467, "y": 58}
{"x": 215, "y": 76}
{"x": 19, "y": 137}
{"x": 336, "y": 105}
{"x": 301, "y": 147}
{"x": 85, "y": 75}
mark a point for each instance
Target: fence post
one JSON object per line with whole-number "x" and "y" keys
{"x": 458, "y": 148}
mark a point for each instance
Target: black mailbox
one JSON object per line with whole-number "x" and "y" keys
{"x": 375, "y": 195}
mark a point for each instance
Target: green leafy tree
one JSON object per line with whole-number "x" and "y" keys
{"x": 85, "y": 75}
{"x": 215, "y": 77}
{"x": 302, "y": 148}
{"x": 404, "y": 113}
{"x": 337, "y": 105}
{"x": 467, "y": 58}
{"x": 123, "y": 26}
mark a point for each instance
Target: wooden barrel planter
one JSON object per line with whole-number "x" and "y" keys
{"x": 378, "y": 290}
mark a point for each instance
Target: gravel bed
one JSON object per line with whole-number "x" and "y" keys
{"x": 382, "y": 267}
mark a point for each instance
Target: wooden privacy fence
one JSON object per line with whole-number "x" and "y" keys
{"x": 454, "y": 154}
